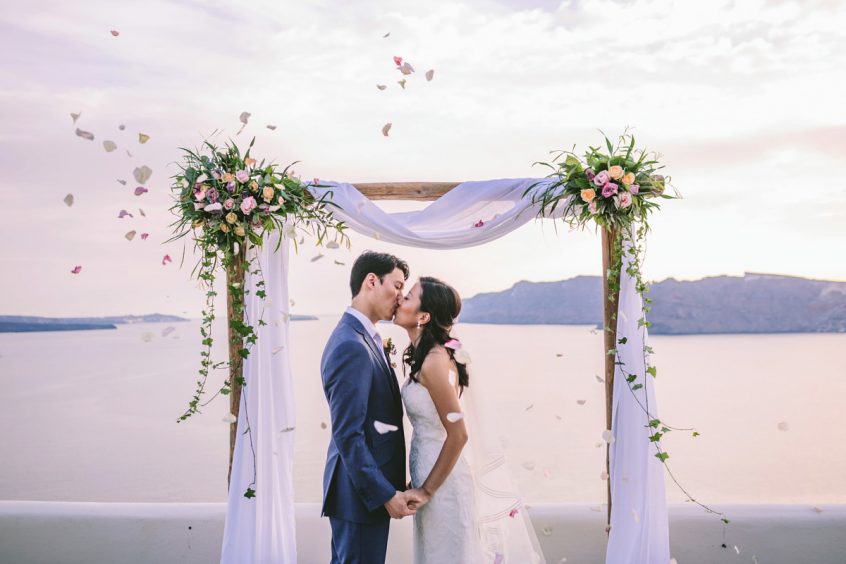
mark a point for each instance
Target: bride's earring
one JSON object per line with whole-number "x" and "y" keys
{"x": 418, "y": 325}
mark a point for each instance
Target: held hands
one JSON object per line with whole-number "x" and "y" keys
{"x": 419, "y": 498}
{"x": 406, "y": 503}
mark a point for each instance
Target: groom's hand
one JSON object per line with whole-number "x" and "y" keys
{"x": 398, "y": 506}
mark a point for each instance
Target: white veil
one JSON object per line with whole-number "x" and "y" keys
{"x": 504, "y": 526}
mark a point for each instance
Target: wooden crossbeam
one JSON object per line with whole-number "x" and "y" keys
{"x": 422, "y": 191}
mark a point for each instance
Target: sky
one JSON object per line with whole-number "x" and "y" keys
{"x": 743, "y": 100}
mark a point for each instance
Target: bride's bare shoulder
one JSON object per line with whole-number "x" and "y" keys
{"x": 437, "y": 362}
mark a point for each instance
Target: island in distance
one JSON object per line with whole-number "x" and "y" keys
{"x": 752, "y": 303}
{"x": 26, "y": 324}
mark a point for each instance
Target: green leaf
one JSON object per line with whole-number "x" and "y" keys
{"x": 623, "y": 341}
{"x": 652, "y": 370}
{"x": 662, "y": 456}
{"x": 250, "y": 493}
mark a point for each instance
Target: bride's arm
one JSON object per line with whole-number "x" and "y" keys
{"x": 434, "y": 375}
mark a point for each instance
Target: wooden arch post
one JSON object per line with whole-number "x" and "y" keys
{"x": 429, "y": 191}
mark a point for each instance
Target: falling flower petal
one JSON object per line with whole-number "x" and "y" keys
{"x": 121, "y": 127}
{"x": 461, "y": 356}
{"x": 323, "y": 425}
{"x": 783, "y": 426}
{"x": 737, "y": 550}
{"x": 383, "y": 428}
{"x": 673, "y": 561}
{"x": 453, "y": 344}
{"x": 287, "y": 429}
{"x": 142, "y": 174}
{"x": 397, "y": 61}
{"x": 271, "y": 127}
{"x": 339, "y": 263}
{"x": 143, "y": 138}
{"x": 559, "y": 417}
{"x": 84, "y": 134}
{"x": 75, "y": 116}
{"x": 142, "y": 212}
{"x": 277, "y": 349}
{"x": 144, "y": 236}
{"x": 401, "y": 83}
{"x": 122, "y": 181}
{"x": 68, "y": 200}
{"x": 140, "y": 190}
{"x": 166, "y": 260}
{"x": 130, "y": 235}
{"x": 244, "y": 117}
{"x": 581, "y": 402}
{"x": 114, "y": 33}
{"x": 124, "y": 213}
{"x": 386, "y": 35}
{"x": 608, "y": 436}
{"x": 635, "y": 516}
{"x": 451, "y": 378}
{"x": 128, "y": 154}
{"x": 598, "y": 379}
{"x": 76, "y": 270}
{"x": 513, "y": 513}
{"x": 109, "y": 146}
{"x": 531, "y": 405}
{"x": 558, "y": 355}
{"x": 479, "y": 223}
{"x": 604, "y": 475}
{"x": 546, "y": 530}
{"x": 381, "y": 86}
{"x": 386, "y": 128}
{"x": 230, "y": 418}
{"x": 332, "y": 245}
{"x": 316, "y": 258}
{"x": 547, "y": 473}
{"x": 429, "y": 74}
{"x": 818, "y": 509}
{"x": 453, "y": 416}
{"x": 406, "y": 69}
{"x": 597, "y": 445}
{"x": 168, "y": 330}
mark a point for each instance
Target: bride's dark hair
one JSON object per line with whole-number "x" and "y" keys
{"x": 443, "y": 304}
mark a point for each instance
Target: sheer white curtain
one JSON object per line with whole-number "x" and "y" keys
{"x": 473, "y": 213}
{"x": 260, "y": 530}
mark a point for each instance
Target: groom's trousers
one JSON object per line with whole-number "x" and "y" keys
{"x": 359, "y": 543}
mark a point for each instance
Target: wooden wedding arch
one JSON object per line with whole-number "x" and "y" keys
{"x": 430, "y": 191}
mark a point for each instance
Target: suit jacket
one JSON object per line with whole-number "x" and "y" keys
{"x": 364, "y": 469}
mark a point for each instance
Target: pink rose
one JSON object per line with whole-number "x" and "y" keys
{"x": 229, "y": 203}
{"x": 634, "y": 188}
{"x": 623, "y": 200}
{"x": 592, "y": 207}
{"x": 242, "y": 176}
{"x": 199, "y": 192}
{"x": 212, "y": 195}
{"x": 609, "y": 189}
{"x": 248, "y": 205}
{"x": 590, "y": 174}
{"x": 601, "y": 179}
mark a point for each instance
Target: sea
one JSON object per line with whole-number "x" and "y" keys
{"x": 92, "y": 415}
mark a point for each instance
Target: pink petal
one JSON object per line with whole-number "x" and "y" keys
{"x": 513, "y": 512}
{"x": 124, "y": 213}
{"x": 398, "y": 61}
{"x": 453, "y": 344}
{"x": 76, "y": 270}
{"x": 166, "y": 260}
{"x": 479, "y": 223}
{"x": 114, "y": 33}
{"x": 140, "y": 190}
{"x": 144, "y": 236}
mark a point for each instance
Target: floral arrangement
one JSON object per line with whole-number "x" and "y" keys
{"x": 615, "y": 189}
{"x": 227, "y": 201}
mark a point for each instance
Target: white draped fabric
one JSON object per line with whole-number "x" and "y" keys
{"x": 473, "y": 213}
{"x": 260, "y": 530}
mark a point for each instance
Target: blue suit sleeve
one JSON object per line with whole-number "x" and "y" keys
{"x": 348, "y": 379}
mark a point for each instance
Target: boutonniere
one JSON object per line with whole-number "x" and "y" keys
{"x": 390, "y": 349}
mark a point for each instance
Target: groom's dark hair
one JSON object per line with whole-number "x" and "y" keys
{"x": 379, "y": 264}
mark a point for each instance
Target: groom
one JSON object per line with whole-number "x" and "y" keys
{"x": 363, "y": 483}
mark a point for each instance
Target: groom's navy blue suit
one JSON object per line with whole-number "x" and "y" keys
{"x": 364, "y": 469}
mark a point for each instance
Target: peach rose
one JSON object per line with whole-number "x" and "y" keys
{"x": 224, "y": 228}
{"x": 253, "y": 186}
{"x": 615, "y": 172}
{"x": 628, "y": 178}
{"x": 588, "y": 194}
{"x": 267, "y": 193}
{"x": 231, "y": 217}
{"x": 227, "y": 177}
{"x": 239, "y": 230}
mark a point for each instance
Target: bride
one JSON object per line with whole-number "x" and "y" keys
{"x": 470, "y": 512}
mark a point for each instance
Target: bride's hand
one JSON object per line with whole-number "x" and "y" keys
{"x": 417, "y": 498}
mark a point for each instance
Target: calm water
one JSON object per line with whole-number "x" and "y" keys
{"x": 91, "y": 415}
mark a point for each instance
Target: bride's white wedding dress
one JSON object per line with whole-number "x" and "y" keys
{"x": 476, "y": 516}
{"x": 445, "y": 529}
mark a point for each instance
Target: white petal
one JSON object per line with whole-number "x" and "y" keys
{"x": 383, "y": 428}
{"x": 109, "y": 146}
{"x": 453, "y": 416}
{"x": 608, "y": 436}
{"x": 217, "y": 206}
{"x": 230, "y": 418}
{"x": 451, "y": 378}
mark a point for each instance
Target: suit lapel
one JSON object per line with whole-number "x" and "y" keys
{"x": 381, "y": 358}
